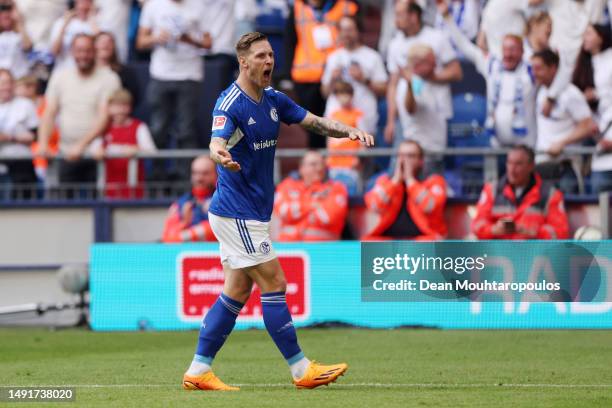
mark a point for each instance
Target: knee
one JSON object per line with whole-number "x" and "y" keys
{"x": 238, "y": 294}
{"x": 276, "y": 284}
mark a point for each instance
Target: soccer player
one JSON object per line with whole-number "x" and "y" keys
{"x": 246, "y": 122}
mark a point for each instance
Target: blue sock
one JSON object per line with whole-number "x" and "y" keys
{"x": 280, "y": 326}
{"x": 217, "y": 325}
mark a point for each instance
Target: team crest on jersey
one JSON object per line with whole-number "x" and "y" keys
{"x": 264, "y": 247}
{"x": 274, "y": 114}
{"x": 219, "y": 122}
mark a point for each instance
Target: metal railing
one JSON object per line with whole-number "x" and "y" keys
{"x": 490, "y": 164}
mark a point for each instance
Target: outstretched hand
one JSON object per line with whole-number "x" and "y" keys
{"x": 365, "y": 138}
{"x": 225, "y": 160}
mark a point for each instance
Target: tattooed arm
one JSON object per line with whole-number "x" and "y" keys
{"x": 220, "y": 155}
{"x": 331, "y": 128}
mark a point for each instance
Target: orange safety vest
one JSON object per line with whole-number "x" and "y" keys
{"x": 425, "y": 202}
{"x": 314, "y": 213}
{"x": 53, "y": 147}
{"x": 541, "y": 210}
{"x": 349, "y": 117}
{"x": 316, "y": 39}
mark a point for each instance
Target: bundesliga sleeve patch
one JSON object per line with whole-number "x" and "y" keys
{"x": 219, "y": 122}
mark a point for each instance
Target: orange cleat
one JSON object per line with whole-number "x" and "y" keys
{"x": 318, "y": 374}
{"x": 206, "y": 382}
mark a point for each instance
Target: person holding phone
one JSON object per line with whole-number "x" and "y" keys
{"x": 521, "y": 205}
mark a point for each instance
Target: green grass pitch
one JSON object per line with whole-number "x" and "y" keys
{"x": 388, "y": 368}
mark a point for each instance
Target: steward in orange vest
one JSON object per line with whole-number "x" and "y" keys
{"x": 521, "y": 205}
{"x": 317, "y": 35}
{"x": 407, "y": 207}
{"x": 311, "y": 208}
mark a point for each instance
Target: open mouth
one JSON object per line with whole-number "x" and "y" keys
{"x": 267, "y": 74}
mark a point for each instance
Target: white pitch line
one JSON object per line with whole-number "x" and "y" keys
{"x": 335, "y": 385}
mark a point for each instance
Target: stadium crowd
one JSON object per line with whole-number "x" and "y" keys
{"x": 404, "y": 70}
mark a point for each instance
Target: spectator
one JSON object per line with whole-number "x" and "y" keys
{"x": 593, "y": 77}
{"x": 14, "y": 41}
{"x": 114, "y": 17}
{"x": 466, "y": 15}
{"x": 106, "y": 56}
{"x": 594, "y": 54}
{"x": 77, "y": 96}
{"x": 408, "y": 207}
{"x": 421, "y": 104}
{"x": 359, "y": 65}
{"x": 221, "y": 19}
{"x": 17, "y": 130}
{"x": 500, "y": 18}
{"x": 511, "y": 89}
{"x": 311, "y": 207}
{"x": 310, "y": 36}
{"x": 570, "y": 20}
{"x": 568, "y": 123}
{"x": 176, "y": 31}
{"x": 521, "y": 205}
{"x": 345, "y": 169}
{"x": 411, "y": 31}
{"x": 28, "y": 87}
{"x": 537, "y": 34}
{"x": 79, "y": 20}
{"x": 125, "y": 136}
{"x": 41, "y": 15}
{"x": 187, "y": 218}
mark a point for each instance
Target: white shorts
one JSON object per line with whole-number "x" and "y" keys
{"x": 243, "y": 243}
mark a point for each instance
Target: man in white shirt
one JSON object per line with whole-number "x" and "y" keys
{"x": 569, "y": 122}
{"x": 499, "y": 18}
{"x": 360, "y": 66}
{"x": 511, "y": 88}
{"x": 420, "y": 101}
{"x": 80, "y": 20}
{"x": 77, "y": 98}
{"x": 41, "y": 15}
{"x": 408, "y": 19}
{"x": 176, "y": 31}
{"x": 15, "y": 43}
{"x": 18, "y": 123}
{"x": 221, "y": 23}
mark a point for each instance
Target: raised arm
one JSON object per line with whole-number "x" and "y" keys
{"x": 331, "y": 128}
{"x": 471, "y": 51}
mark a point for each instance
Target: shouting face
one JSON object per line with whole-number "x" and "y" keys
{"x": 258, "y": 63}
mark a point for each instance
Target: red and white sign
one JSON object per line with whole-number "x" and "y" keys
{"x": 200, "y": 282}
{"x": 219, "y": 122}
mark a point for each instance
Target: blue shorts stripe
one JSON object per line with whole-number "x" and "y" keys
{"x": 248, "y": 236}
{"x": 246, "y": 247}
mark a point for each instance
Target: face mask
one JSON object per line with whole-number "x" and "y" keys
{"x": 417, "y": 85}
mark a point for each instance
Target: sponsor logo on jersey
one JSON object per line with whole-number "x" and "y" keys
{"x": 274, "y": 114}
{"x": 219, "y": 122}
{"x": 264, "y": 145}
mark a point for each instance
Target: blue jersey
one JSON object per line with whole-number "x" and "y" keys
{"x": 251, "y": 130}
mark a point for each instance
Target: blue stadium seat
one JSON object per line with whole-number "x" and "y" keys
{"x": 466, "y": 129}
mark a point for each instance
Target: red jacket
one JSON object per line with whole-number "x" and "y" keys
{"x": 187, "y": 220}
{"x": 541, "y": 209}
{"x": 314, "y": 213}
{"x": 425, "y": 204}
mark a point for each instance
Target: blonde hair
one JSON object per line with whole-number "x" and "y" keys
{"x": 121, "y": 96}
{"x": 538, "y": 18}
{"x": 418, "y": 51}
{"x": 244, "y": 43}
